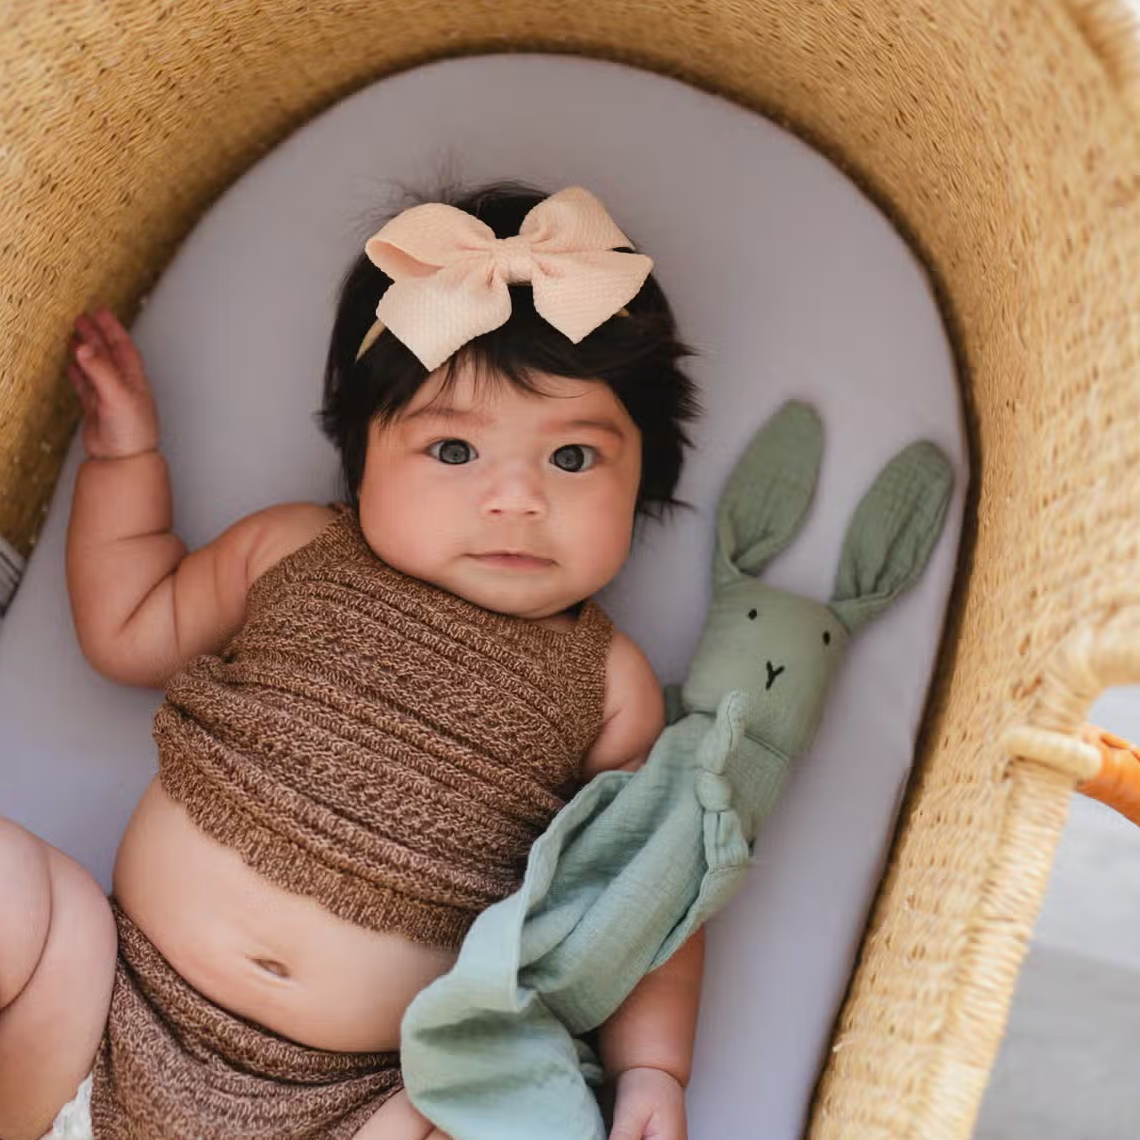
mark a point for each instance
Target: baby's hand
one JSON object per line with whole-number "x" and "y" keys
{"x": 119, "y": 416}
{"x": 650, "y": 1105}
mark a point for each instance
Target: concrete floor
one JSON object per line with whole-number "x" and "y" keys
{"x": 1069, "y": 1068}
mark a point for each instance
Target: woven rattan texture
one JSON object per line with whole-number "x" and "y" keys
{"x": 997, "y": 133}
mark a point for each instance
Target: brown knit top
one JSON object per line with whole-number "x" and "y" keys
{"x": 380, "y": 744}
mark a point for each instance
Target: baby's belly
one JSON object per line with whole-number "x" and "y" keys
{"x": 258, "y": 951}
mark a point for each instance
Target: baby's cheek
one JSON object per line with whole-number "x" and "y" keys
{"x": 394, "y": 533}
{"x": 606, "y": 545}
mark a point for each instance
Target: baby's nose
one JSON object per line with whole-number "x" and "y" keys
{"x": 516, "y": 493}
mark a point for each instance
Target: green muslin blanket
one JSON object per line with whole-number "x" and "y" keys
{"x": 636, "y": 862}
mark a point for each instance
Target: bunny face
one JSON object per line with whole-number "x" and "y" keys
{"x": 779, "y": 649}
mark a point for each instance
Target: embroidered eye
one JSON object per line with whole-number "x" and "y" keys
{"x": 751, "y": 615}
{"x": 826, "y": 637}
{"x": 574, "y": 457}
{"x": 452, "y": 451}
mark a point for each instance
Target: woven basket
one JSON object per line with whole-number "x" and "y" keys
{"x": 1002, "y": 138}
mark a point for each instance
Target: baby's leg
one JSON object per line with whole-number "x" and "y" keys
{"x": 57, "y": 964}
{"x": 396, "y": 1119}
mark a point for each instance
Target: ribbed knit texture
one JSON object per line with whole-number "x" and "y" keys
{"x": 379, "y": 744}
{"x": 173, "y": 1065}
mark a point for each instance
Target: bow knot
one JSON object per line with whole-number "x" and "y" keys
{"x": 450, "y": 272}
{"x": 514, "y": 259}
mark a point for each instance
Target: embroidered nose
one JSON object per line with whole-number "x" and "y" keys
{"x": 772, "y": 675}
{"x": 513, "y": 259}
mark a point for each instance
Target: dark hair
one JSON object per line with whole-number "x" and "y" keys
{"x": 635, "y": 354}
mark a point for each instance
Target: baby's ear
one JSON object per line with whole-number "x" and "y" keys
{"x": 892, "y": 533}
{"x": 768, "y": 493}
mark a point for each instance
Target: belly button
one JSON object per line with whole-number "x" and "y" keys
{"x": 278, "y": 969}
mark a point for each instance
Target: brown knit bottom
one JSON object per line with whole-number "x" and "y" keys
{"x": 174, "y": 1066}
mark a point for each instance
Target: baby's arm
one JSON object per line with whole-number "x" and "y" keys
{"x": 142, "y": 604}
{"x": 646, "y": 1047}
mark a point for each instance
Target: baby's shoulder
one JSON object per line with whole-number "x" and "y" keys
{"x": 278, "y": 531}
{"x": 634, "y": 711}
{"x": 627, "y": 667}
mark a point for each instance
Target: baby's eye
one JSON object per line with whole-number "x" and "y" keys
{"x": 452, "y": 451}
{"x": 575, "y": 457}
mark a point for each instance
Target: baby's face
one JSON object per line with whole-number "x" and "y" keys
{"x": 520, "y": 503}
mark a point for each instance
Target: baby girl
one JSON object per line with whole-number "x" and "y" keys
{"x": 372, "y": 709}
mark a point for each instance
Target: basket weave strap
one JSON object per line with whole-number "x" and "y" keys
{"x": 1095, "y": 656}
{"x": 1056, "y": 750}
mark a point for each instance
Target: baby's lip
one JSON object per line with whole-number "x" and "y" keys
{"x": 522, "y": 556}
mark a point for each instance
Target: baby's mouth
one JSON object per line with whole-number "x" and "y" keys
{"x": 513, "y": 560}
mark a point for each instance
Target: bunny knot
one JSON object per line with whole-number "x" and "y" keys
{"x": 714, "y": 792}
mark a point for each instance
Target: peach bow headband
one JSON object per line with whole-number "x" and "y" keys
{"x": 450, "y": 273}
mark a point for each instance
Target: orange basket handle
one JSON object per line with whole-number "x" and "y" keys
{"x": 1117, "y": 784}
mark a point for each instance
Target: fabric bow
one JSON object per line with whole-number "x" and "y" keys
{"x": 450, "y": 273}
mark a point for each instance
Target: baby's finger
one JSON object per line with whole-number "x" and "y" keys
{"x": 629, "y": 1124}
{"x": 101, "y": 374}
{"x": 88, "y": 332}
{"x": 78, "y": 380}
{"x": 123, "y": 349}
{"x": 87, "y": 398}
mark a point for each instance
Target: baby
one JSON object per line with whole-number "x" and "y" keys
{"x": 372, "y": 709}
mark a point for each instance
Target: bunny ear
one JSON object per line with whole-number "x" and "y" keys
{"x": 768, "y": 493}
{"x": 892, "y": 533}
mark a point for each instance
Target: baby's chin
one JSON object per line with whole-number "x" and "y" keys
{"x": 514, "y": 601}
{"x": 523, "y": 594}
